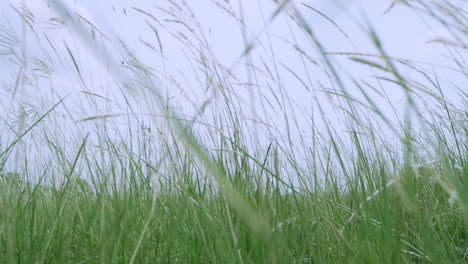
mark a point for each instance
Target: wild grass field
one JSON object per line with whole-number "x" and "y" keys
{"x": 237, "y": 171}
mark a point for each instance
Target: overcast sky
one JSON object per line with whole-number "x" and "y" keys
{"x": 41, "y": 39}
{"x": 403, "y": 33}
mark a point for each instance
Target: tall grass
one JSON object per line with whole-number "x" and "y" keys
{"x": 226, "y": 175}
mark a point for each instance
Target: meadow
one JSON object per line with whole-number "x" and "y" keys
{"x": 227, "y": 175}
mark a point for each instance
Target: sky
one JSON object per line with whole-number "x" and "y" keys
{"x": 55, "y": 62}
{"x": 403, "y": 37}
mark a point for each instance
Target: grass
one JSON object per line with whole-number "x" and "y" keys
{"x": 215, "y": 181}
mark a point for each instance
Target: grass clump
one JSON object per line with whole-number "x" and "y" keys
{"x": 229, "y": 176}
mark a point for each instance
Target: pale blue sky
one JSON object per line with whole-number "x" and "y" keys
{"x": 402, "y": 32}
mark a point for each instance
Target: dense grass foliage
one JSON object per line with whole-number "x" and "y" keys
{"x": 217, "y": 187}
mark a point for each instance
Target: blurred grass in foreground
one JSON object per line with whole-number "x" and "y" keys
{"x": 214, "y": 197}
